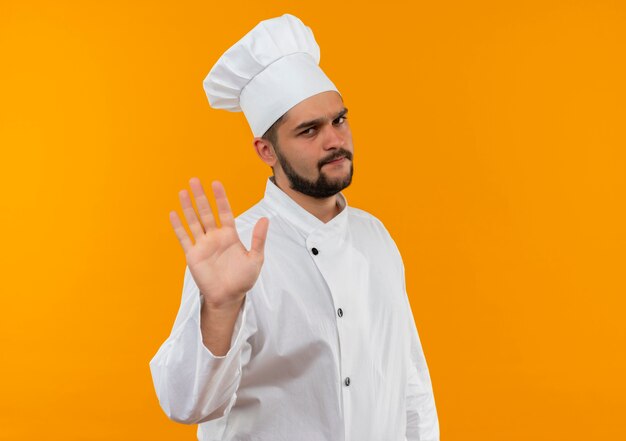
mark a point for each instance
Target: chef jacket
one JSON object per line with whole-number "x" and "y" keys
{"x": 324, "y": 348}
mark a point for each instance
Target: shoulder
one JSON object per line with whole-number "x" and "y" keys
{"x": 245, "y": 222}
{"x": 247, "y": 219}
{"x": 368, "y": 231}
{"x": 366, "y": 225}
{"x": 359, "y": 218}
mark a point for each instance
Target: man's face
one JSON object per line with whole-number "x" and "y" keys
{"x": 315, "y": 149}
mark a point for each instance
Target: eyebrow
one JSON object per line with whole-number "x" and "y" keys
{"x": 318, "y": 121}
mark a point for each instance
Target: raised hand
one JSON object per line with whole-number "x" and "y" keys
{"x": 218, "y": 261}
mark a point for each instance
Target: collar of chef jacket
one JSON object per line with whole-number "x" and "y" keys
{"x": 313, "y": 230}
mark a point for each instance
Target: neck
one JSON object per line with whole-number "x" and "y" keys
{"x": 324, "y": 209}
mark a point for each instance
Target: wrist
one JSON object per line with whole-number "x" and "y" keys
{"x": 230, "y": 305}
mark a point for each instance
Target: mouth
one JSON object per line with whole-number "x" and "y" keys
{"x": 336, "y": 161}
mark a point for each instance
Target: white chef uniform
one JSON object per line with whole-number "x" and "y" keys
{"x": 325, "y": 347}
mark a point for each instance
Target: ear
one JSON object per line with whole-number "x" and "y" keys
{"x": 265, "y": 150}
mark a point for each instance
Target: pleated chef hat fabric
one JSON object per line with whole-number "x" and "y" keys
{"x": 270, "y": 70}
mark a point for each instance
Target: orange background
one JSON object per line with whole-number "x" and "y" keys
{"x": 489, "y": 139}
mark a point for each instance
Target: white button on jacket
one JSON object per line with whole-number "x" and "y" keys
{"x": 325, "y": 347}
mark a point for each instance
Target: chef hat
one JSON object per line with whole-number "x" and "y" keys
{"x": 270, "y": 70}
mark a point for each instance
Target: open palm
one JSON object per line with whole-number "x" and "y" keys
{"x": 218, "y": 261}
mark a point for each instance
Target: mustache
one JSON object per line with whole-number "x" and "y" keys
{"x": 341, "y": 153}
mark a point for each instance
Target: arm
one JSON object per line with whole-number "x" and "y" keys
{"x": 197, "y": 370}
{"x": 422, "y": 421}
{"x": 217, "y": 325}
{"x": 192, "y": 383}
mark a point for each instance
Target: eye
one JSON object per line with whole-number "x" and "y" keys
{"x": 308, "y": 131}
{"x": 340, "y": 120}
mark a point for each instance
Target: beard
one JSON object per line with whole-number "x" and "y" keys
{"x": 322, "y": 187}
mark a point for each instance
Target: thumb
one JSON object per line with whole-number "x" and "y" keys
{"x": 259, "y": 234}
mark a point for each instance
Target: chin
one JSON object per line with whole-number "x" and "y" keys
{"x": 347, "y": 176}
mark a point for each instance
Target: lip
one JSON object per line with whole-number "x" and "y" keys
{"x": 336, "y": 161}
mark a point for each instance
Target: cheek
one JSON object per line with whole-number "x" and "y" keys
{"x": 348, "y": 135}
{"x": 304, "y": 164}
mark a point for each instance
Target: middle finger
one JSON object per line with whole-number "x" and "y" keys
{"x": 202, "y": 202}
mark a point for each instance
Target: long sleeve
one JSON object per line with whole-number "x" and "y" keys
{"x": 192, "y": 384}
{"x": 422, "y": 421}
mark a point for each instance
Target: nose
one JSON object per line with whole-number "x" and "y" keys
{"x": 334, "y": 138}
